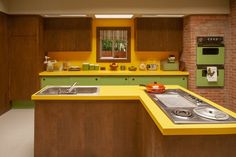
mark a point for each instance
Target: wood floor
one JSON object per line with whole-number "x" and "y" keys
{"x": 17, "y": 133}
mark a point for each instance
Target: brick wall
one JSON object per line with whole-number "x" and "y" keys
{"x": 206, "y": 25}
{"x": 231, "y": 60}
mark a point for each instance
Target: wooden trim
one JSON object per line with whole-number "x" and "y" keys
{"x": 4, "y": 64}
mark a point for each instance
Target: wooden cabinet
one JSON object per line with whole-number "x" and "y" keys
{"x": 4, "y": 77}
{"x": 113, "y": 80}
{"x": 68, "y": 34}
{"x": 158, "y": 34}
{"x": 23, "y": 25}
{"x": 25, "y": 55}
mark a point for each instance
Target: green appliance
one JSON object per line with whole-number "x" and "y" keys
{"x": 210, "y": 55}
{"x": 210, "y": 52}
{"x": 202, "y": 81}
{"x": 168, "y": 66}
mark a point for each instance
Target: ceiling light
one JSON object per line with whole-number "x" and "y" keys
{"x": 65, "y": 15}
{"x": 73, "y": 15}
{"x": 114, "y": 16}
{"x": 163, "y": 15}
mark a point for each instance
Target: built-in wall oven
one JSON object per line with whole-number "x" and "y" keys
{"x": 210, "y": 61}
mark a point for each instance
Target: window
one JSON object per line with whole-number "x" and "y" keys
{"x": 113, "y": 44}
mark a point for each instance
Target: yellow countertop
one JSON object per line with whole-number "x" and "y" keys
{"x": 112, "y": 73}
{"x": 165, "y": 125}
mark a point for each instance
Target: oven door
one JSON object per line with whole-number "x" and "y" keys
{"x": 201, "y": 78}
{"x": 210, "y": 55}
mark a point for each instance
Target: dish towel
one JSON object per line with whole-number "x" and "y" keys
{"x": 212, "y": 74}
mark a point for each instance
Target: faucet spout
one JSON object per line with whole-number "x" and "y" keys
{"x": 72, "y": 87}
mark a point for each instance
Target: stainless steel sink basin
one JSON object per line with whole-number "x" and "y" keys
{"x": 64, "y": 90}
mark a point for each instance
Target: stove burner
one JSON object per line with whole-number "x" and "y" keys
{"x": 182, "y": 113}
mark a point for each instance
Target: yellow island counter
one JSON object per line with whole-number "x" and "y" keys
{"x": 123, "y": 121}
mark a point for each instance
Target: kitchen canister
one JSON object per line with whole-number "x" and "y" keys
{"x": 122, "y": 67}
{"x": 96, "y": 67}
{"x": 85, "y": 66}
{"x": 91, "y": 66}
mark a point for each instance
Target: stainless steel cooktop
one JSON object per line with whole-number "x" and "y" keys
{"x": 184, "y": 108}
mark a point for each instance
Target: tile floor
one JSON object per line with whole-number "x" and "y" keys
{"x": 17, "y": 133}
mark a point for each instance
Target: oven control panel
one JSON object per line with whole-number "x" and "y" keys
{"x": 210, "y": 41}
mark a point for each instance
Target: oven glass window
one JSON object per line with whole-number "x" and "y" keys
{"x": 210, "y": 51}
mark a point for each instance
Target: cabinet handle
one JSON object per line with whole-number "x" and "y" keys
{"x": 44, "y": 79}
{"x": 183, "y": 78}
{"x": 96, "y": 79}
{"x": 126, "y": 79}
{"x": 133, "y": 79}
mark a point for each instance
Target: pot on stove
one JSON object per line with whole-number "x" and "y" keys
{"x": 154, "y": 87}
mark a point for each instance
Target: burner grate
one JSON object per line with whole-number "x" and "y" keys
{"x": 182, "y": 113}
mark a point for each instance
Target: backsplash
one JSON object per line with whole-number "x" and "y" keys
{"x": 77, "y": 58}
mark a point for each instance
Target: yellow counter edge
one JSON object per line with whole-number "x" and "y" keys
{"x": 165, "y": 125}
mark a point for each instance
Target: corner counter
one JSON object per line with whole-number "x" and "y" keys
{"x": 123, "y": 121}
{"x": 165, "y": 125}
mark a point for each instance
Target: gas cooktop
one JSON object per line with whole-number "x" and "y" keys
{"x": 184, "y": 108}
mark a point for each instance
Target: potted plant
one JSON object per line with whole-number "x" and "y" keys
{"x": 120, "y": 48}
{"x": 107, "y": 48}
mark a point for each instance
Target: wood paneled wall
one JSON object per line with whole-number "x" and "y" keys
{"x": 25, "y": 55}
{"x": 4, "y": 89}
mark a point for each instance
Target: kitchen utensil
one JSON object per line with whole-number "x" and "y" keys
{"x": 154, "y": 87}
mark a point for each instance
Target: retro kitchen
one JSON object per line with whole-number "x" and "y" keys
{"x": 118, "y": 78}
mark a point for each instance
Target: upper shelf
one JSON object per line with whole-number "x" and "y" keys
{"x": 113, "y": 73}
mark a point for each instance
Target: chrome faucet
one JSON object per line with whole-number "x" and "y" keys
{"x": 72, "y": 87}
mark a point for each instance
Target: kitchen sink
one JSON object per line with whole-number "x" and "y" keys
{"x": 66, "y": 90}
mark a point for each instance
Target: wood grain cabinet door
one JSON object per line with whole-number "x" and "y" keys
{"x": 158, "y": 34}
{"x": 25, "y": 55}
{"x": 23, "y": 73}
{"x": 68, "y": 34}
{"x": 4, "y": 89}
